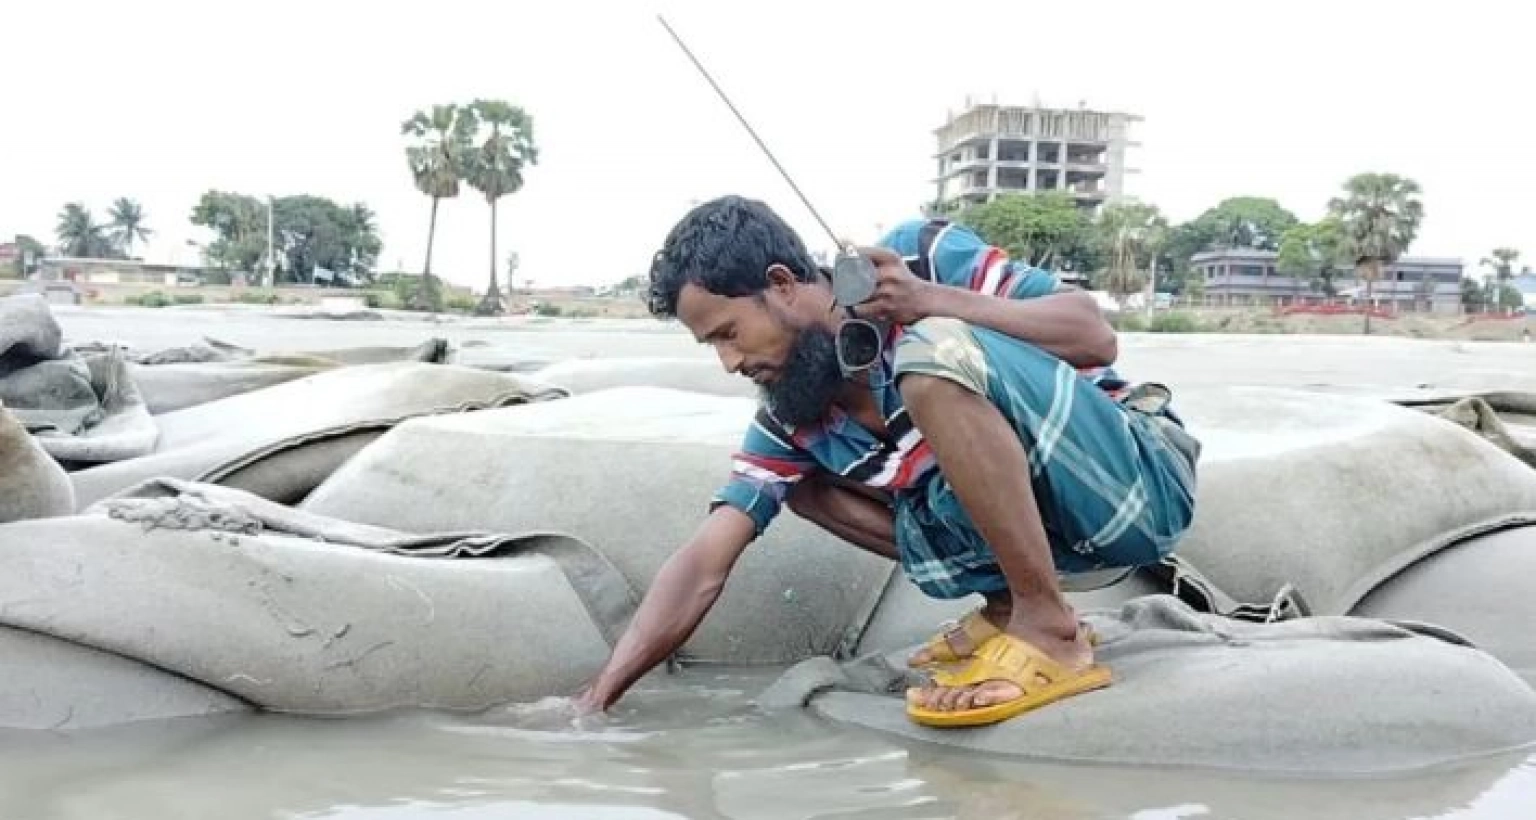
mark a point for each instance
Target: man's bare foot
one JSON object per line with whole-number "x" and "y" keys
{"x": 997, "y": 612}
{"x": 1074, "y": 654}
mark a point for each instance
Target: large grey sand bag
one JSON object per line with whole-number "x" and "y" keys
{"x": 1330, "y": 695}
{"x": 295, "y": 612}
{"x": 201, "y": 438}
{"x": 32, "y": 484}
{"x": 631, "y": 471}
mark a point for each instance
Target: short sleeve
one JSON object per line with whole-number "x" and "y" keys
{"x": 958, "y": 257}
{"x": 763, "y": 471}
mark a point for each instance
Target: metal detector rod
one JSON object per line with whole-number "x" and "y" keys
{"x": 771, "y": 158}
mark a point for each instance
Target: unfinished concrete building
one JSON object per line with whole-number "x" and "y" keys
{"x": 998, "y": 149}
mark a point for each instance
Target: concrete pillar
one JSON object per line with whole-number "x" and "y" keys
{"x": 992, "y": 164}
{"x": 1034, "y": 164}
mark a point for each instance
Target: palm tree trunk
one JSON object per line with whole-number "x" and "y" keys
{"x": 493, "y": 289}
{"x": 425, "y": 298}
{"x": 491, "y": 305}
{"x": 426, "y": 269}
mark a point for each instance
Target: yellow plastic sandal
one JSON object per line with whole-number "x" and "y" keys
{"x": 977, "y": 630}
{"x": 1041, "y": 680}
{"x": 974, "y": 628}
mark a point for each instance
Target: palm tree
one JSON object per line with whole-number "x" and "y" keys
{"x": 362, "y": 238}
{"x": 1502, "y": 260}
{"x": 127, "y": 226}
{"x": 437, "y": 162}
{"x": 1380, "y": 215}
{"x": 79, "y": 233}
{"x": 1128, "y": 234}
{"x": 496, "y": 169}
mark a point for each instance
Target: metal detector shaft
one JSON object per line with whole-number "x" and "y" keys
{"x": 771, "y": 158}
{"x": 853, "y": 277}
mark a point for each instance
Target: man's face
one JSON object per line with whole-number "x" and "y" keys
{"x": 774, "y": 341}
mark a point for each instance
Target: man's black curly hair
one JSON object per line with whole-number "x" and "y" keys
{"x": 725, "y": 246}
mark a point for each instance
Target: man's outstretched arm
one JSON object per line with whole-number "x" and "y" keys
{"x": 685, "y": 588}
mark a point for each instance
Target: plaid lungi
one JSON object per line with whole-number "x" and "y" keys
{"x": 1111, "y": 489}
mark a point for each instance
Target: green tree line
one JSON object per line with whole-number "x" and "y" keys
{"x": 314, "y": 240}
{"x": 1368, "y": 226}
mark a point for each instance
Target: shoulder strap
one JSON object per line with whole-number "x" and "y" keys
{"x": 925, "y": 239}
{"x": 775, "y": 428}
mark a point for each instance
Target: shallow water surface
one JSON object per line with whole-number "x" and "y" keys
{"x": 689, "y": 746}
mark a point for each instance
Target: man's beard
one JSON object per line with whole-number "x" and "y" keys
{"x": 809, "y": 379}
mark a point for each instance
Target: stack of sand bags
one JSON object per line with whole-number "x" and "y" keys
{"x": 83, "y": 407}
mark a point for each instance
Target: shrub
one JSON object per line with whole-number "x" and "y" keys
{"x": 1162, "y": 322}
{"x": 1174, "y": 322}
{"x": 382, "y": 300}
{"x": 153, "y": 299}
{"x": 1127, "y": 322}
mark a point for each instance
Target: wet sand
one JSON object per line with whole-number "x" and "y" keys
{"x": 691, "y": 745}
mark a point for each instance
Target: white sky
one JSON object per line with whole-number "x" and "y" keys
{"x": 161, "y": 100}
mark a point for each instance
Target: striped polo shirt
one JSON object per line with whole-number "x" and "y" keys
{"x": 774, "y": 456}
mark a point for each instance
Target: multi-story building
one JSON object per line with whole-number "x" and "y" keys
{"x": 997, "y": 149}
{"x": 1247, "y": 276}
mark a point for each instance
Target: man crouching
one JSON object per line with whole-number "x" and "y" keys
{"x": 987, "y": 448}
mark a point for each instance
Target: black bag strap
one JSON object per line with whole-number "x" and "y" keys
{"x": 1182, "y": 580}
{"x": 925, "y": 239}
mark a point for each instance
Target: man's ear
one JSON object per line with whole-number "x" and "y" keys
{"x": 782, "y": 280}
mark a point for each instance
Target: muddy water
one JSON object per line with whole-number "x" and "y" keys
{"x": 692, "y": 746}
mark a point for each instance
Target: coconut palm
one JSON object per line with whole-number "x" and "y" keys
{"x": 1380, "y": 215}
{"x": 127, "y": 226}
{"x": 495, "y": 169}
{"x": 436, "y": 161}
{"x": 79, "y": 233}
{"x": 1502, "y": 261}
{"x": 1129, "y": 235}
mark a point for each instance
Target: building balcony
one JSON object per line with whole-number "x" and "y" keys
{"x": 965, "y": 165}
{"x": 961, "y": 141}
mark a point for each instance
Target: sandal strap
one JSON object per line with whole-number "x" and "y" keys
{"x": 976, "y": 628}
{"x": 1005, "y": 658}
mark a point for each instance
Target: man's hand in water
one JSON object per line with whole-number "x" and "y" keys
{"x": 586, "y": 702}
{"x": 683, "y": 590}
